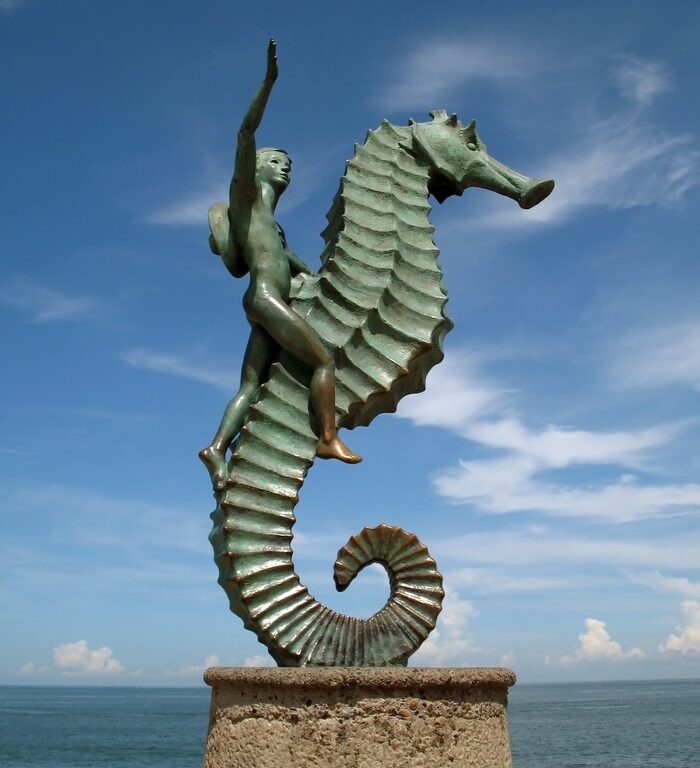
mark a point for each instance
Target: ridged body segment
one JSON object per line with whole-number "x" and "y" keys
{"x": 378, "y": 306}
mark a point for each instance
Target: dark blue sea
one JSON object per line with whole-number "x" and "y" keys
{"x": 606, "y": 725}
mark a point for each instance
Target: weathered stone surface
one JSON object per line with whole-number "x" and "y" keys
{"x": 358, "y": 717}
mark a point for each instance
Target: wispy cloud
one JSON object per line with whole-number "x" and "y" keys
{"x": 623, "y": 159}
{"x": 181, "y": 367}
{"x": 192, "y": 209}
{"x": 489, "y": 581}
{"x": 450, "y": 643}
{"x": 259, "y": 660}
{"x": 679, "y": 585}
{"x": 615, "y": 165}
{"x": 658, "y": 356}
{"x": 515, "y": 548}
{"x": 438, "y": 67}
{"x": 514, "y": 481}
{"x": 194, "y": 670}
{"x": 687, "y": 641}
{"x": 13, "y": 451}
{"x": 95, "y": 544}
{"x": 44, "y": 305}
{"x": 595, "y": 644}
{"x": 76, "y": 658}
{"x": 641, "y": 80}
{"x": 459, "y": 382}
{"x": 10, "y": 5}
{"x": 30, "y": 668}
{"x": 121, "y": 520}
{"x": 508, "y": 486}
{"x": 557, "y": 447}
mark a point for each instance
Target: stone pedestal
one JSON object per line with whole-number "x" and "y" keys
{"x": 358, "y": 717}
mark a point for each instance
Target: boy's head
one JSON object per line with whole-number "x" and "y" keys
{"x": 274, "y": 166}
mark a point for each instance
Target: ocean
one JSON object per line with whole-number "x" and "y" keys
{"x": 607, "y": 725}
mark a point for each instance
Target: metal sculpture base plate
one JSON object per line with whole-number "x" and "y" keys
{"x": 358, "y": 717}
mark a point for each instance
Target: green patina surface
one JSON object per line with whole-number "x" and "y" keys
{"x": 377, "y": 306}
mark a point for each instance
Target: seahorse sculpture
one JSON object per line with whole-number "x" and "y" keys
{"x": 378, "y": 305}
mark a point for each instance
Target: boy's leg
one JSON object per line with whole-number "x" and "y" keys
{"x": 259, "y": 355}
{"x": 296, "y": 336}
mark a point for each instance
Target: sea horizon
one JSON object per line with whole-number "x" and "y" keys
{"x": 633, "y": 723}
{"x": 202, "y": 684}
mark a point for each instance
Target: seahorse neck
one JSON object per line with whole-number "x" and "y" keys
{"x": 382, "y": 180}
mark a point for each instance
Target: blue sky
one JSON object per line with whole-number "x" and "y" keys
{"x": 552, "y": 466}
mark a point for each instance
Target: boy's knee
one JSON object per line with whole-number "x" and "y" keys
{"x": 253, "y": 306}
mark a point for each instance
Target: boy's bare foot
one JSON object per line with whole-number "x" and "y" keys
{"x": 215, "y": 462}
{"x": 336, "y": 449}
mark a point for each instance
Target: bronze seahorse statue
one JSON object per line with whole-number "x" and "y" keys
{"x": 377, "y": 304}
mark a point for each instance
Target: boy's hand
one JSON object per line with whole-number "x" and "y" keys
{"x": 271, "y": 60}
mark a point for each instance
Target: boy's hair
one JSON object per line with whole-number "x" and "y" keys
{"x": 265, "y": 150}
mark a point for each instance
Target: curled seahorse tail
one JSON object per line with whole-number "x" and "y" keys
{"x": 416, "y": 585}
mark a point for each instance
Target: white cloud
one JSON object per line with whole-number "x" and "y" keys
{"x": 458, "y": 383}
{"x": 450, "y": 643}
{"x": 595, "y": 644}
{"x": 507, "y": 486}
{"x": 688, "y": 638}
{"x": 174, "y": 365}
{"x": 664, "y": 355}
{"x": 259, "y": 660}
{"x": 556, "y": 447}
{"x": 613, "y": 161}
{"x": 613, "y": 164}
{"x": 196, "y": 669}
{"x": 641, "y": 80}
{"x": 9, "y": 5}
{"x": 44, "y": 304}
{"x": 191, "y": 209}
{"x": 30, "y": 668}
{"x": 459, "y": 400}
{"x": 77, "y": 658}
{"x": 676, "y": 584}
{"x": 487, "y": 581}
{"x": 526, "y": 547}
{"x": 437, "y": 67}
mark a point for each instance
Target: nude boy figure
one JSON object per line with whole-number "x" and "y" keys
{"x": 256, "y": 244}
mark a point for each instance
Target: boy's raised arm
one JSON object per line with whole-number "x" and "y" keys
{"x": 243, "y": 181}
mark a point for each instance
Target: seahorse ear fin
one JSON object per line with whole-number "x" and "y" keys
{"x": 432, "y": 146}
{"x": 219, "y": 227}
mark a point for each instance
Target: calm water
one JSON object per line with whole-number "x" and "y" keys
{"x": 606, "y": 725}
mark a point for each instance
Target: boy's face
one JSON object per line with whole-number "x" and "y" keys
{"x": 275, "y": 168}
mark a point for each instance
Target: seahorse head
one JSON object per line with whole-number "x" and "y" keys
{"x": 457, "y": 158}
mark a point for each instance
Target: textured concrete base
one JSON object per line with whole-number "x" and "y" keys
{"x": 358, "y": 717}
